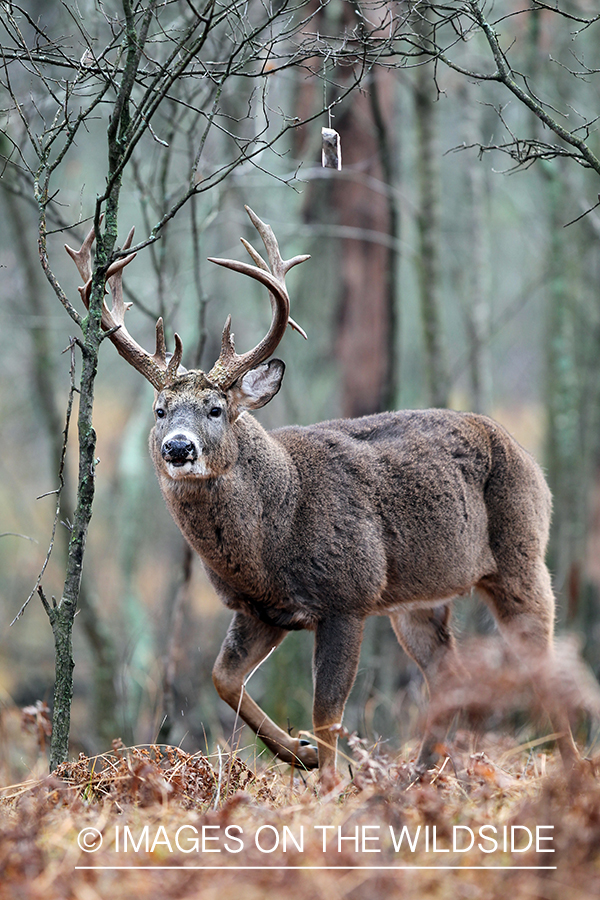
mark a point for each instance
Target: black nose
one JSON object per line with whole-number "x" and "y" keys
{"x": 178, "y": 450}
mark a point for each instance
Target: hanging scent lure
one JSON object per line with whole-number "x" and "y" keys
{"x": 331, "y": 150}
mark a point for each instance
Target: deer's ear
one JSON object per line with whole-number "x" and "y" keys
{"x": 258, "y": 386}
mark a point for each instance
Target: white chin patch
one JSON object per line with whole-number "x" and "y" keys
{"x": 195, "y": 469}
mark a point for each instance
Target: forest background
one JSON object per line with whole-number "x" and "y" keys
{"x": 454, "y": 262}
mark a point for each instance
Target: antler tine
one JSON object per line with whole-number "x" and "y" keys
{"x": 278, "y": 266}
{"x": 161, "y": 357}
{"x": 287, "y": 265}
{"x": 230, "y": 366}
{"x": 114, "y": 277}
{"x": 157, "y": 368}
{"x": 254, "y": 255}
{"x": 83, "y": 257}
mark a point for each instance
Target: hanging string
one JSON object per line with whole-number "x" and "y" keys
{"x": 331, "y": 149}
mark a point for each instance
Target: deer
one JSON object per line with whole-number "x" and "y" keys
{"x": 319, "y": 527}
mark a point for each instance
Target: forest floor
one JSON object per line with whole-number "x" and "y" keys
{"x": 492, "y": 820}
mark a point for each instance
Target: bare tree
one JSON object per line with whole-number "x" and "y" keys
{"x": 155, "y": 74}
{"x": 479, "y": 40}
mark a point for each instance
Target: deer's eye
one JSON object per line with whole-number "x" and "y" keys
{"x": 215, "y": 412}
{"x": 160, "y": 413}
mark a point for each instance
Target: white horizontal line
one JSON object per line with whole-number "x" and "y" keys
{"x": 307, "y": 868}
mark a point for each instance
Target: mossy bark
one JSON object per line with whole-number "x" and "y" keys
{"x": 62, "y": 616}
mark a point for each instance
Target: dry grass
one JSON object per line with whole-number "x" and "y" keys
{"x": 171, "y": 799}
{"x": 159, "y": 822}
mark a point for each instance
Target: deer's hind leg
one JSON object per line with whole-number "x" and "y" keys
{"x": 426, "y": 636}
{"x": 522, "y": 601}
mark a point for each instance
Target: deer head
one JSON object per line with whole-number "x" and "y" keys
{"x": 193, "y": 410}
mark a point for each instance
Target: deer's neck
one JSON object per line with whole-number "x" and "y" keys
{"x": 231, "y": 520}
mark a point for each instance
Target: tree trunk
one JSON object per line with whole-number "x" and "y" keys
{"x": 564, "y": 458}
{"x": 62, "y": 617}
{"x": 429, "y": 227}
{"x": 366, "y": 339}
{"x": 477, "y": 288}
{"x": 104, "y": 705}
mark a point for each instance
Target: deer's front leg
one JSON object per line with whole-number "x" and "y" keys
{"x": 247, "y": 642}
{"x": 336, "y": 657}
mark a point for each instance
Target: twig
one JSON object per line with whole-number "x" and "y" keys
{"x": 583, "y": 214}
{"x": 218, "y": 796}
{"x": 16, "y": 534}
{"x": 61, "y": 481}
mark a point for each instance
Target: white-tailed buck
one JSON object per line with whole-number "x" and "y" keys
{"x": 320, "y": 527}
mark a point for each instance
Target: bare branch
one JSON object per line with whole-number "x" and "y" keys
{"x": 61, "y": 481}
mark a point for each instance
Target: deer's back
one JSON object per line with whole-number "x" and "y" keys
{"x": 409, "y": 506}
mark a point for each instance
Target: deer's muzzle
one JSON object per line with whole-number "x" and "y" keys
{"x": 178, "y": 450}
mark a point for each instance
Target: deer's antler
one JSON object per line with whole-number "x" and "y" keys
{"x": 156, "y": 368}
{"x": 230, "y": 366}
